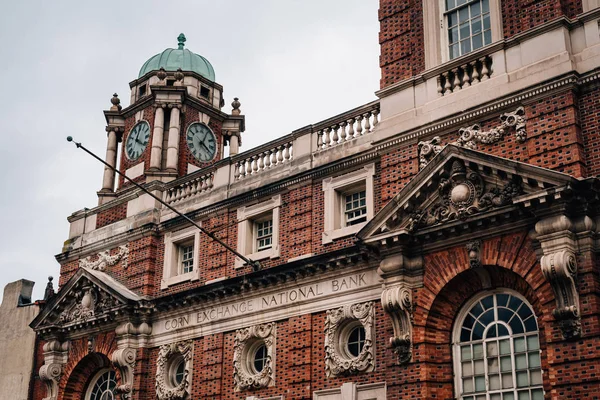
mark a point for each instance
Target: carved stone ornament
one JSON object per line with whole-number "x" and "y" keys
{"x": 474, "y": 249}
{"x": 462, "y": 195}
{"x": 473, "y": 135}
{"x": 55, "y": 358}
{"x": 246, "y": 339}
{"x": 124, "y": 360}
{"x": 560, "y": 269}
{"x": 397, "y": 303}
{"x": 165, "y": 387}
{"x": 87, "y": 303}
{"x": 339, "y": 322}
{"x": 105, "y": 259}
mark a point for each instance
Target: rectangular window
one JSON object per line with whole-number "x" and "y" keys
{"x": 469, "y": 26}
{"x": 204, "y": 92}
{"x": 186, "y": 253}
{"x": 264, "y": 234}
{"x": 355, "y": 207}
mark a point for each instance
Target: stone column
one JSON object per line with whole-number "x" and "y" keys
{"x": 173, "y": 144}
{"x": 157, "y": 139}
{"x": 108, "y": 181}
{"x": 234, "y": 146}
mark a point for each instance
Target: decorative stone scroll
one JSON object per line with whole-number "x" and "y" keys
{"x": 339, "y": 321}
{"x": 462, "y": 195}
{"x": 473, "y": 135}
{"x": 55, "y": 358}
{"x": 124, "y": 358}
{"x": 559, "y": 266}
{"x": 397, "y": 303}
{"x": 165, "y": 387}
{"x": 105, "y": 259}
{"x": 244, "y": 377}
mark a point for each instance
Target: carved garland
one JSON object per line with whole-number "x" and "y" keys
{"x": 462, "y": 195}
{"x": 471, "y": 136}
{"x": 397, "y": 303}
{"x": 105, "y": 259}
{"x": 245, "y": 339}
{"x": 166, "y": 355}
{"x": 337, "y": 360}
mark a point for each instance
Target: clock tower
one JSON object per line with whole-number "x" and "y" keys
{"x": 174, "y": 124}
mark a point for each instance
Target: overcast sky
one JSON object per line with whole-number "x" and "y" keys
{"x": 291, "y": 63}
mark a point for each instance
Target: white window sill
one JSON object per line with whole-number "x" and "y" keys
{"x": 173, "y": 280}
{"x": 329, "y": 236}
{"x": 273, "y": 252}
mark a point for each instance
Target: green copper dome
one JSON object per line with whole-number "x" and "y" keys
{"x": 172, "y": 59}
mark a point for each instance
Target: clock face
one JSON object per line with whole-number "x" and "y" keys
{"x": 137, "y": 140}
{"x": 202, "y": 142}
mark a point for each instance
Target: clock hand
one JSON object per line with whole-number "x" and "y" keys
{"x": 203, "y": 145}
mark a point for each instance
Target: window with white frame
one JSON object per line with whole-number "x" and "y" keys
{"x": 103, "y": 386}
{"x": 497, "y": 349}
{"x": 468, "y": 25}
{"x": 181, "y": 256}
{"x": 454, "y": 28}
{"x": 349, "y": 203}
{"x": 258, "y": 230}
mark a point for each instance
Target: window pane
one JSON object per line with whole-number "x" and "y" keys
{"x": 523, "y": 395}
{"x": 496, "y": 396}
{"x": 478, "y": 367}
{"x": 493, "y": 365}
{"x": 502, "y": 331}
{"x": 476, "y": 26}
{"x": 522, "y": 379}
{"x": 521, "y": 361}
{"x": 454, "y": 51}
{"x": 487, "y": 37}
{"x": 475, "y": 9}
{"x": 537, "y": 394}
{"x": 504, "y": 314}
{"x": 453, "y": 35}
{"x": 534, "y": 359}
{"x": 485, "y": 4}
{"x": 507, "y": 381}
{"x": 505, "y": 346}
{"x": 530, "y": 324}
{"x": 514, "y": 303}
{"x": 463, "y": 14}
{"x": 487, "y": 317}
{"x": 505, "y": 364}
{"x": 519, "y": 345}
{"x": 476, "y": 310}
{"x": 533, "y": 343}
{"x": 488, "y": 302}
{"x": 468, "y": 385}
{"x": 453, "y": 19}
{"x": 536, "y": 377}
{"x": 508, "y": 396}
{"x": 461, "y": 2}
{"x": 467, "y": 368}
{"x": 486, "y": 22}
{"x": 465, "y": 32}
{"x": 492, "y": 349}
{"x": 494, "y": 382}
{"x": 516, "y": 325}
{"x": 465, "y": 46}
{"x": 479, "y": 383}
{"x": 450, "y": 4}
{"x": 465, "y": 352}
{"x": 502, "y": 299}
{"x": 477, "y": 351}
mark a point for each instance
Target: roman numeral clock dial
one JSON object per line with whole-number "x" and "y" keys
{"x": 137, "y": 140}
{"x": 202, "y": 142}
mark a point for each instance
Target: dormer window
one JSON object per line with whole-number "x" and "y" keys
{"x": 204, "y": 92}
{"x": 142, "y": 90}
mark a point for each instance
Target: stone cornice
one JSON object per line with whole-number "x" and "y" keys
{"x": 571, "y": 80}
{"x": 202, "y": 79}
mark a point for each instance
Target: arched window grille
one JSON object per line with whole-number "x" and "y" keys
{"x": 497, "y": 349}
{"x": 103, "y": 386}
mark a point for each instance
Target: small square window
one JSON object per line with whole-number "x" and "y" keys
{"x": 186, "y": 256}
{"x": 181, "y": 257}
{"x": 258, "y": 230}
{"x": 264, "y": 234}
{"x": 348, "y": 203}
{"x": 204, "y": 92}
{"x": 142, "y": 90}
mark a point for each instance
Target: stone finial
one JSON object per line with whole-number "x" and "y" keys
{"x": 236, "y": 106}
{"x": 179, "y": 75}
{"x": 49, "y": 292}
{"x": 116, "y": 103}
{"x": 161, "y": 74}
{"x": 181, "y": 41}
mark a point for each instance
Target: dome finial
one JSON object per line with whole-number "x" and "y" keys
{"x": 181, "y": 41}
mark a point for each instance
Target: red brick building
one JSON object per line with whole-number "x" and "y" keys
{"x": 438, "y": 243}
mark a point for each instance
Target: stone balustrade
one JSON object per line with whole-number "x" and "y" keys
{"x": 189, "y": 189}
{"x": 462, "y": 76}
{"x": 347, "y": 126}
{"x": 273, "y": 155}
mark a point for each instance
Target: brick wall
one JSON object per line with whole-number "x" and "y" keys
{"x": 190, "y": 116}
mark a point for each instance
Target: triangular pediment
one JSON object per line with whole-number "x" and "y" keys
{"x": 89, "y": 297}
{"x": 460, "y": 187}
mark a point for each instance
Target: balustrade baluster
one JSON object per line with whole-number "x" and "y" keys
{"x": 236, "y": 171}
{"x": 484, "y": 70}
{"x": 210, "y": 181}
{"x": 254, "y": 164}
{"x": 440, "y": 89}
{"x": 319, "y": 139}
{"x": 326, "y": 137}
{"x": 279, "y": 154}
{"x": 248, "y": 163}
{"x": 456, "y": 82}
{"x": 475, "y": 74}
{"x": 466, "y": 76}
{"x": 350, "y": 123}
{"x": 334, "y": 135}
{"x": 268, "y": 159}
{"x": 261, "y": 164}
{"x": 286, "y": 152}
{"x": 367, "y": 116}
{"x": 342, "y": 131}
{"x": 447, "y": 85}
{"x": 375, "y": 117}
{"x": 359, "y": 127}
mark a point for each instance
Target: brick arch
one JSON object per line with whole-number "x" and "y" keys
{"x": 436, "y": 348}
{"x": 79, "y": 379}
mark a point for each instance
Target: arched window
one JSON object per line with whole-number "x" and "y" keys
{"x": 102, "y": 386}
{"x": 497, "y": 349}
